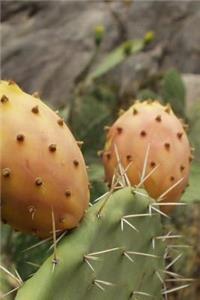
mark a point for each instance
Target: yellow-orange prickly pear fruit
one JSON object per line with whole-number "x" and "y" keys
{"x": 149, "y": 129}
{"x": 42, "y": 168}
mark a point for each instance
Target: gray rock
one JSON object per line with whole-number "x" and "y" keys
{"x": 192, "y": 83}
{"x": 46, "y": 44}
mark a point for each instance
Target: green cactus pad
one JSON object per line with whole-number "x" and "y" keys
{"x": 107, "y": 257}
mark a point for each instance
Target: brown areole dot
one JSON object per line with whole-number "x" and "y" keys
{"x": 152, "y": 164}
{"x": 20, "y": 137}
{"x": 167, "y": 146}
{"x": 108, "y": 155}
{"x": 158, "y": 118}
{"x": 182, "y": 168}
{"x": 35, "y": 109}
{"x": 129, "y": 157}
{"x": 67, "y": 193}
{"x": 4, "y": 99}
{"x": 172, "y": 178}
{"x": 179, "y": 135}
{"x": 6, "y": 172}
{"x": 52, "y": 147}
{"x": 38, "y": 181}
{"x": 89, "y": 185}
{"x": 135, "y": 111}
{"x": 119, "y": 129}
{"x": 76, "y": 163}
{"x": 60, "y": 122}
{"x": 143, "y": 133}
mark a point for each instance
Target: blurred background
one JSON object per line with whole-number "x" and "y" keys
{"x": 90, "y": 60}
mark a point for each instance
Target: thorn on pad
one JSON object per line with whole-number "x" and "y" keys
{"x": 11, "y": 82}
{"x": 6, "y": 172}
{"x": 36, "y": 95}
{"x": 80, "y": 143}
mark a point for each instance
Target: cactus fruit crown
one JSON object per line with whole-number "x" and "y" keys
{"x": 153, "y": 146}
{"x": 108, "y": 257}
{"x": 42, "y": 168}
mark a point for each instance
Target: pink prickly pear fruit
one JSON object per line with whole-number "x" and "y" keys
{"x": 149, "y": 129}
{"x": 42, "y": 168}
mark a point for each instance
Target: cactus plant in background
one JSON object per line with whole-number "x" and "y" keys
{"x": 174, "y": 91}
{"x": 150, "y": 140}
{"x": 116, "y": 253}
{"x": 43, "y": 173}
{"x": 118, "y": 55}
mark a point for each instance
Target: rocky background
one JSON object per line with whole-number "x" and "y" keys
{"x": 49, "y": 46}
{"x": 46, "y": 44}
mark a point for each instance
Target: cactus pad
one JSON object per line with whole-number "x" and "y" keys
{"x": 107, "y": 257}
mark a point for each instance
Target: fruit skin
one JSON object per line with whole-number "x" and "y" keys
{"x": 150, "y": 124}
{"x": 42, "y": 168}
{"x": 72, "y": 277}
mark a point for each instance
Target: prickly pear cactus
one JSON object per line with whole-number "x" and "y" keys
{"x": 152, "y": 144}
{"x": 42, "y": 168}
{"x": 116, "y": 253}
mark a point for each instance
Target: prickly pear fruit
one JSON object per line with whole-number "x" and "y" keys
{"x": 149, "y": 129}
{"x": 42, "y": 168}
